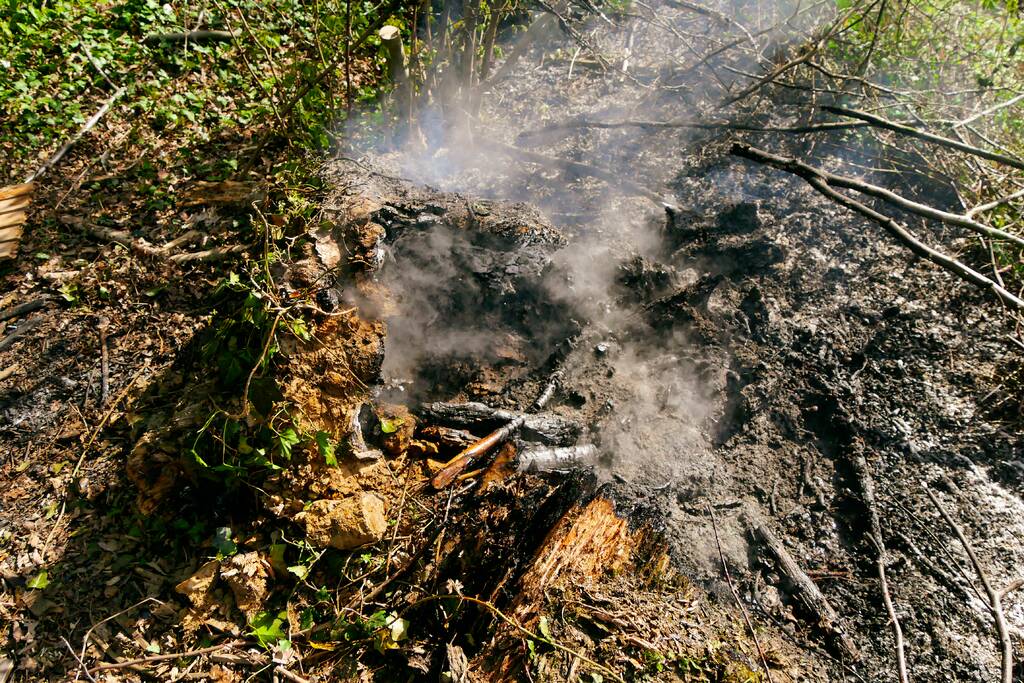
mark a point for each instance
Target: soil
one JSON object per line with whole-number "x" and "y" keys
{"x": 730, "y": 357}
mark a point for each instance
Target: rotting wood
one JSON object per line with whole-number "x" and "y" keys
{"x": 891, "y": 226}
{"x": 809, "y": 593}
{"x": 589, "y": 542}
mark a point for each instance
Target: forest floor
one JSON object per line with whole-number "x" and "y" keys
{"x": 747, "y": 359}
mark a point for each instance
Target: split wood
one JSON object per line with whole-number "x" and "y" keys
{"x": 994, "y": 596}
{"x": 454, "y": 467}
{"x": 809, "y": 593}
{"x": 820, "y": 183}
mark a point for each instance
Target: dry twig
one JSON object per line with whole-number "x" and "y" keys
{"x": 994, "y": 596}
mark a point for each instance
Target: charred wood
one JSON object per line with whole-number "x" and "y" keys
{"x": 548, "y": 428}
{"x": 808, "y": 592}
{"x": 565, "y": 458}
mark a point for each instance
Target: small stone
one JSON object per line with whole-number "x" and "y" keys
{"x": 601, "y": 349}
{"x": 346, "y": 523}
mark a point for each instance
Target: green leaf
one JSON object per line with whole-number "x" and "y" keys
{"x": 39, "y": 581}
{"x": 545, "y": 630}
{"x": 287, "y": 439}
{"x": 389, "y": 426}
{"x": 300, "y": 570}
{"x": 323, "y": 443}
{"x": 267, "y": 627}
{"x": 222, "y": 542}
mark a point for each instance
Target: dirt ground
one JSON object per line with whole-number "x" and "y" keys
{"x": 730, "y": 358}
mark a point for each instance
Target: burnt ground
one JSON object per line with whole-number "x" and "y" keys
{"x": 737, "y": 355}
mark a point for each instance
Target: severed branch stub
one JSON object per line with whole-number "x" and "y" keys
{"x": 457, "y": 465}
{"x": 809, "y": 593}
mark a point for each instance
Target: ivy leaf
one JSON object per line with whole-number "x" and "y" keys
{"x": 389, "y": 426}
{"x": 287, "y": 439}
{"x": 267, "y": 627}
{"x": 323, "y": 443}
{"x": 545, "y": 630}
{"x": 222, "y": 542}
{"x": 300, "y": 570}
{"x": 39, "y": 581}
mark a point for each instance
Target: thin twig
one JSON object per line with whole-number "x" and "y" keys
{"x": 167, "y": 656}
{"x": 995, "y": 601}
{"x": 104, "y": 362}
{"x": 736, "y": 596}
{"x": 891, "y": 226}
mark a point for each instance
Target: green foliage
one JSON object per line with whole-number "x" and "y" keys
{"x": 53, "y": 57}
{"x": 268, "y": 628}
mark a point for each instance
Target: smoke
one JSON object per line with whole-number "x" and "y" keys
{"x": 654, "y": 399}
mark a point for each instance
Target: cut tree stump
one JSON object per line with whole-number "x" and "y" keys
{"x": 14, "y": 200}
{"x": 588, "y": 543}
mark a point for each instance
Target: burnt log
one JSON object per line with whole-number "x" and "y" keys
{"x": 547, "y": 428}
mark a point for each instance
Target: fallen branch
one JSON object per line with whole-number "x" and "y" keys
{"x": 965, "y": 221}
{"x": 697, "y": 125}
{"x": 86, "y": 127}
{"x": 141, "y": 247}
{"x": 22, "y": 329}
{"x": 897, "y": 230}
{"x": 165, "y": 657}
{"x": 22, "y": 309}
{"x": 922, "y": 135}
{"x": 806, "y": 589}
{"x": 994, "y": 596}
{"x": 190, "y": 37}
